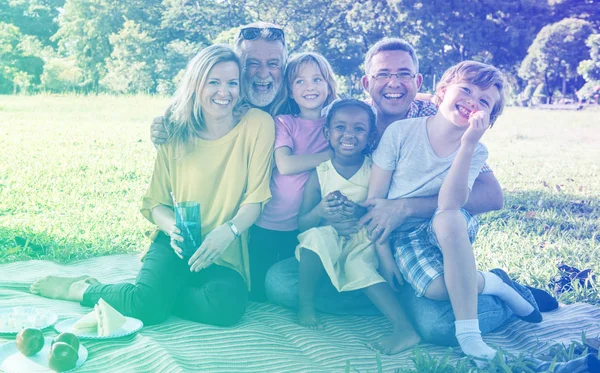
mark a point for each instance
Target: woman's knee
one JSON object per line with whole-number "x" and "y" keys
{"x": 228, "y": 302}
{"x": 148, "y": 308}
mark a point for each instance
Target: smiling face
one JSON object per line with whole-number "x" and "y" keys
{"x": 392, "y": 98}
{"x": 348, "y": 131}
{"x": 221, "y": 90}
{"x": 462, "y": 99}
{"x": 262, "y": 61}
{"x": 309, "y": 89}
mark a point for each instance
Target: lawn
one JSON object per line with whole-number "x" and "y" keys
{"x": 74, "y": 169}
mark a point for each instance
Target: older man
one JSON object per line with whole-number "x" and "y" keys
{"x": 392, "y": 80}
{"x": 263, "y": 54}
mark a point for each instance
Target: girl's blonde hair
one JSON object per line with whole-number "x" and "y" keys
{"x": 284, "y": 103}
{"x": 477, "y": 73}
{"x": 185, "y": 111}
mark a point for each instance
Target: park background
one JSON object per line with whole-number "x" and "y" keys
{"x": 548, "y": 48}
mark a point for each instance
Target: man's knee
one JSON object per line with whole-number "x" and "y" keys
{"x": 281, "y": 283}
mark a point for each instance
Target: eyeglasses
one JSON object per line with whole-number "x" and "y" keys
{"x": 404, "y": 77}
{"x": 253, "y": 33}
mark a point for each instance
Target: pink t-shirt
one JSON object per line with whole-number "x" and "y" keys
{"x": 303, "y": 136}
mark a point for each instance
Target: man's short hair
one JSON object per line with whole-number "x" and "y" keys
{"x": 265, "y": 32}
{"x": 391, "y": 44}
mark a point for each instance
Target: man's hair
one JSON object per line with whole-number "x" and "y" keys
{"x": 284, "y": 103}
{"x": 391, "y": 44}
{"x": 480, "y": 74}
{"x": 185, "y": 110}
{"x": 264, "y": 35}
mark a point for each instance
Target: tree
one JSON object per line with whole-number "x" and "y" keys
{"x": 19, "y": 64}
{"x": 555, "y": 53}
{"x": 33, "y": 17}
{"x": 131, "y": 63}
{"x": 590, "y": 69}
{"x": 447, "y": 32}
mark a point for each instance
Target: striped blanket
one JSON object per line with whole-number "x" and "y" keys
{"x": 267, "y": 339}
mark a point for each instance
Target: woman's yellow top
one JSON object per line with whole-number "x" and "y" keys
{"x": 222, "y": 175}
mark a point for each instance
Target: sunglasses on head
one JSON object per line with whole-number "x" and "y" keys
{"x": 253, "y": 33}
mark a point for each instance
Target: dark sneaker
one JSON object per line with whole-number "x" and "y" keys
{"x": 533, "y": 317}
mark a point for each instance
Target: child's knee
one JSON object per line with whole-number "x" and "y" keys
{"x": 447, "y": 219}
{"x": 449, "y": 226}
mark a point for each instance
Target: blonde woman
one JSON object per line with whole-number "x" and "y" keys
{"x": 219, "y": 157}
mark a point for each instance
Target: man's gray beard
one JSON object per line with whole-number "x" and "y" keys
{"x": 261, "y": 100}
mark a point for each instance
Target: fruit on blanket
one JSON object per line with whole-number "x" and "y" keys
{"x": 30, "y": 341}
{"x": 62, "y": 357}
{"x": 69, "y": 338}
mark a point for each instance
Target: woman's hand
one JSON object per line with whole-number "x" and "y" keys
{"x": 213, "y": 246}
{"x": 174, "y": 233}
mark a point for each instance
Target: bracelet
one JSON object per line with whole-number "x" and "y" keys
{"x": 234, "y": 230}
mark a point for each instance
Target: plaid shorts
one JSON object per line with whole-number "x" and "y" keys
{"x": 418, "y": 254}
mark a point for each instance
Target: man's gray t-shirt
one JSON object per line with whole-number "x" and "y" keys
{"x": 418, "y": 172}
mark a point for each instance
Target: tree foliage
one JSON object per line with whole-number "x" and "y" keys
{"x": 142, "y": 45}
{"x": 556, "y": 52}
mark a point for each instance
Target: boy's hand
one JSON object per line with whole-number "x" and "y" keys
{"x": 390, "y": 272}
{"x": 479, "y": 122}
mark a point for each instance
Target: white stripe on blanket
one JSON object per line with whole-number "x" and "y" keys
{"x": 267, "y": 339}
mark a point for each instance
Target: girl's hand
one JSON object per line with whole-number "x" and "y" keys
{"x": 390, "y": 272}
{"x": 213, "y": 246}
{"x": 174, "y": 233}
{"x": 331, "y": 205}
{"x": 479, "y": 122}
{"x": 352, "y": 209}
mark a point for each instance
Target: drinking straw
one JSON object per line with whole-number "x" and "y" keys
{"x": 181, "y": 219}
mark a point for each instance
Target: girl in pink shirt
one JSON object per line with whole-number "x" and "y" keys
{"x": 300, "y": 146}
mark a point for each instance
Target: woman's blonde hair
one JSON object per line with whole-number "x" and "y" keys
{"x": 284, "y": 103}
{"x": 185, "y": 111}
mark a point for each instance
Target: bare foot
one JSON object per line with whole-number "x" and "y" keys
{"x": 396, "y": 342}
{"x": 308, "y": 318}
{"x": 67, "y": 288}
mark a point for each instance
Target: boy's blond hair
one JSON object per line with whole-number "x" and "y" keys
{"x": 477, "y": 73}
{"x": 284, "y": 103}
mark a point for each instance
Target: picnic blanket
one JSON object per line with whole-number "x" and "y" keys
{"x": 267, "y": 339}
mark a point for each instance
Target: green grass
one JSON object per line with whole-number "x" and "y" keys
{"x": 74, "y": 169}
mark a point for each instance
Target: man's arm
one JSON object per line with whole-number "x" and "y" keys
{"x": 158, "y": 131}
{"x": 486, "y": 195}
{"x": 389, "y": 214}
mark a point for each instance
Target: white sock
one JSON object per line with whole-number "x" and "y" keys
{"x": 493, "y": 285}
{"x": 470, "y": 341}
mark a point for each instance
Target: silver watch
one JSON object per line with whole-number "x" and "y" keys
{"x": 234, "y": 230}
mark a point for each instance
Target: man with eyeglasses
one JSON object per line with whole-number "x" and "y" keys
{"x": 392, "y": 80}
{"x": 263, "y": 54}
